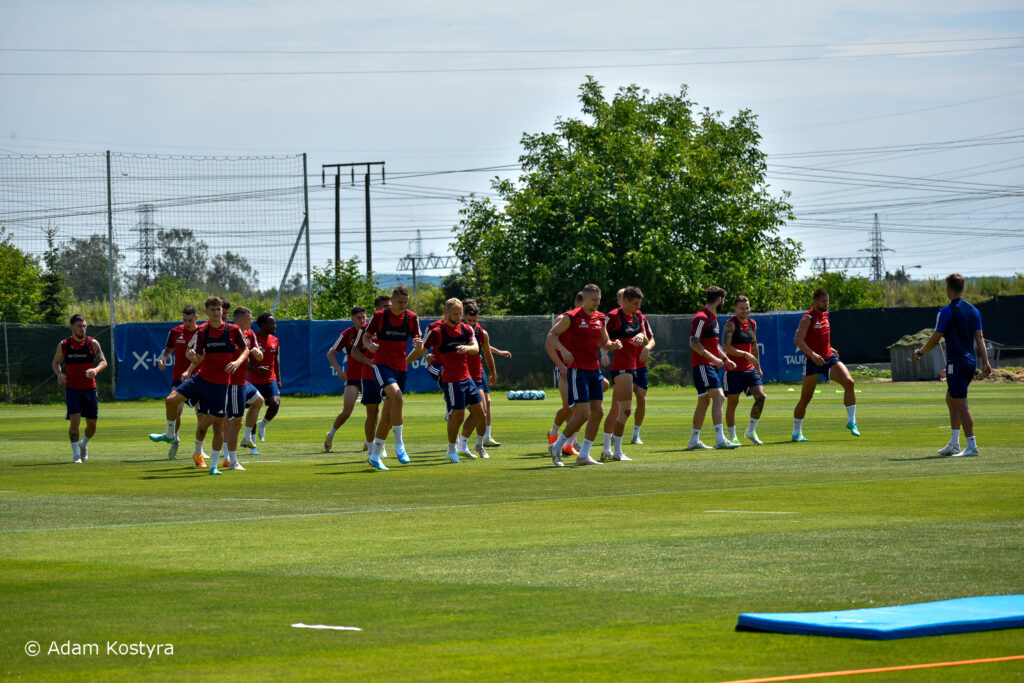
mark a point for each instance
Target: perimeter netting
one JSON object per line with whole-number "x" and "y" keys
{"x": 222, "y": 224}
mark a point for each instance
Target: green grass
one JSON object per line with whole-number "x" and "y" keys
{"x": 508, "y": 568}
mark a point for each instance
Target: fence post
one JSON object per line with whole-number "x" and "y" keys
{"x": 110, "y": 280}
{"x": 305, "y": 198}
{"x": 7, "y": 363}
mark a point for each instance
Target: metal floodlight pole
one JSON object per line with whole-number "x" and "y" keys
{"x": 366, "y": 200}
{"x": 110, "y": 278}
{"x": 337, "y": 224}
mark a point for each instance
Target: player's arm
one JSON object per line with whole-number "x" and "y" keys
{"x": 645, "y": 352}
{"x": 472, "y": 347}
{"x": 699, "y": 349}
{"x": 552, "y": 342}
{"x": 801, "y": 341}
{"x": 58, "y": 358}
{"x": 729, "y": 350}
{"x": 608, "y": 343}
{"x": 932, "y": 342}
{"x": 371, "y": 329}
{"x": 332, "y": 357}
{"x": 755, "y": 350}
{"x": 979, "y": 341}
{"x": 417, "y": 335}
{"x": 424, "y": 344}
{"x": 727, "y": 363}
{"x": 195, "y": 361}
{"x": 165, "y": 355}
{"x": 97, "y": 351}
{"x": 242, "y": 358}
{"x": 277, "y": 367}
{"x": 256, "y": 351}
{"x": 357, "y": 349}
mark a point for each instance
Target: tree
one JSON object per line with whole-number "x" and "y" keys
{"x": 85, "y": 263}
{"x": 335, "y": 292}
{"x": 56, "y": 297}
{"x": 844, "y": 291}
{"x": 20, "y": 282}
{"x": 231, "y": 272}
{"x": 182, "y": 256}
{"x": 642, "y": 190}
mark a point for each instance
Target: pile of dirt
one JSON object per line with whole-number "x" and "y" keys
{"x": 1004, "y": 375}
{"x": 913, "y": 341}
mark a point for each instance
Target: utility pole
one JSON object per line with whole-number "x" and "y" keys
{"x": 337, "y": 204}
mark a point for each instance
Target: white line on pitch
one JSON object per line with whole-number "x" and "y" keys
{"x": 246, "y": 462}
{"x": 752, "y": 512}
{"x": 258, "y": 499}
{"x": 528, "y": 501}
{"x": 328, "y": 628}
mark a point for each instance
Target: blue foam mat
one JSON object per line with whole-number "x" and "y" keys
{"x": 963, "y": 615}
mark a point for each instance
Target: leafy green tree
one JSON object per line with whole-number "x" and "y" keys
{"x": 181, "y": 255}
{"x": 231, "y": 272}
{"x": 642, "y": 190}
{"x": 336, "y": 291}
{"x": 167, "y": 296}
{"x": 844, "y": 291}
{"x": 20, "y": 282}
{"x": 85, "y": 264}
{"x": 56, "y": 297}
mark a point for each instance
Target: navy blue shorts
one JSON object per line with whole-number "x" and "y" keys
{"x": 585, "y": 386}
{"x": 958, "y": 378}
{"x": 458, "y": 395}
{"x": 813, "y": 368}
{"x": 175, "y": 384}
{"x": 641, "y": 379}
{"x": 371, "y": 392}
{"x": 435, "y": 373}
{"x": 616, "y": 373}
{"x": 206, "y": 397}
{"x": 268, "y": 389}
{"x": 482, "y": 384}
{"x": 741, "y": 381}
{"x": 357, "y": 383}
{"x": 706, "y": 377}
{"x": 386, "y": 375}
{"x": 84, "y": 402}
{"x": 558, "y": 375}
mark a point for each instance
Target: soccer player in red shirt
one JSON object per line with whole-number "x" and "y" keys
{"x": 387, "y": 336}
{"x": 83, "y": 359}
{"x": 640, "y": 383}
{"x": 369, "y": 388}
{"x": 220, "y": 350}
{"x": 453, "y": 343}
{"x": 351, "y": 376}
{"x": 626, "y": 325}
{"x": 471, "y": 311}
{"x": 179, "y": 339}
{"x": 242, "y": 395}
{"x": 265, "y": 375}
{"x": 813, "y": 337}
{"x": 706, "y": 357}
{"x": 578, "y": 336}
{"x": 561, "y": 381}
{"x": 739, "y": 340}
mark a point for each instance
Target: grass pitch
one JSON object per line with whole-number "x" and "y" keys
{"x": 507, "y": 568}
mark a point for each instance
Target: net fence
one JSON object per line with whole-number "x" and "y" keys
{"x": 222, "y": 224}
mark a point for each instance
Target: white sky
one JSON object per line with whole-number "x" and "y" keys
{"x": 458, "y": 110}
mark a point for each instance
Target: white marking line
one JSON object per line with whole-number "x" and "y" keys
{"x": 327, "y": 628}
{"x": 527, "y": 501}
{"x": 246, "y": 462}
{"x": 256, "y": 499}
{"x": 751, "y": 512}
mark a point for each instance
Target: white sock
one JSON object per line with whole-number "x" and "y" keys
{"x": 798, "y": 425}
{"x": 554, "y": 429}
{"x": 247, "y": 434}
{"x": 851, "y": 413}
{"x": 606, "y": 441}
{"x": 263, "y": 423}
{"x": 451, "y": 447}
{"x": 487, "y": 432}
{"x": 399, "y": 444}
{"x": 732, "y": 432}
{"x": 85, "y": 441}
{"x": 199, "y": 445}
{"x": 369, "y": 446}
{"x": 479, "y": 441}
{"x": 617, "y": 444}
{"x": 585, "y": 448}
{"x": 971, "y": 443}
{"x": 461, "y": 443}
{"x": 954, "y": 437}
{"x": 75, "y": 450}
{"x": 378, "y": 446}
{"x": 720, "y": 432}
{"x": 233, "y": 456}
{"x": 170, "y": 433}
{"x": 753, "y": 424}
{"x": 636, "y": 432}
{"x": 560, "y": 442}
{"x": 694, "y": 435}
{"x": 332, "y": 431}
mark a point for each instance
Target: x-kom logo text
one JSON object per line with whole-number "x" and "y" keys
{"x": 143, "y": 360}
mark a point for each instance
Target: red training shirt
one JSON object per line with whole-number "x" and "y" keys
{"x": 705, "y": 328}
{"x": 819, "y": 334}
{"x": 270, "y": 346}
{"x": 221, "y": 345}
{"x": 178, "y": 341}
{"x": 583, "y": 338}
{"x": 393, "y": 333}
{"x": 79, "y": 356}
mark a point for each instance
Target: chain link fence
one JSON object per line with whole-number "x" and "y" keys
{"x": 26, "y": 352}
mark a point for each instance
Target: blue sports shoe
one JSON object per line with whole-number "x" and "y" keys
{"x": 161, "y": 437}
{"x": 214, "y": 470}
{"x": 403, "y": 457}
{"x": 454, "y": 457}
{"x": 852, "y": 426}
{"x": 377, "y": 464}
{"x": 800, "y": 437}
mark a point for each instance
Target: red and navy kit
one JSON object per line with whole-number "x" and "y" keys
{"x": 346, "y": 340}
{"x": 392, "y": 333}
{"x": 624, "y": 328}
{"x": 445, "y": 339}
{"x": 641, "y": 380}
{"x": 239, "y": 376}
{"x": 476, "y": 362}
{"x": 220, "y": 346}
{"x": 743, "y": 336}
{"x": 430, "y": 342}
{"x": 583, "y": 338}
{"x": 78, "y": 357}
{"x": 179, "y": 339}
{"x": 705, "y": 328}
{"x": 369, "y": 388}
{"x": 818, "y": 339}
{"x": 270, "y": 346}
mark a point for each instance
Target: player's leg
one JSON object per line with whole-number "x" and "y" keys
{"x": 955, "y": 425}
{"x": 483, "y": 427}
{"x": 348, "y": 405}
{"x": 252, "y": 415}
{"x": 840, "y": 374}
{"x": 967, "y": 423}
{"x": 74, "y": 436}
{"x": 717, "y": 411}
{"x": 272, "y": 398}
{"x": 608, "y": 430}
{"x": 203, "y": 422}
{"x": 757, "y": 391}
{"x": 961, "y": 378}
{"x": 622, "y": 404}
{"x": 579, "y": 403}
{"x": 562, "y": 416}
{"x": 810, "y": 382}
{"x": 219, "y": 427}
{"x": 731, "y": 401}
{"x": 476, "y": 416}
{"x": 700, "y": 411}
{"x": 173, "y": 405}
{"x": 455, "y": 418}
{"x": 596, "y": 414}
{"x": 640, "y": 391}
{"x": 90, "y": 413}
